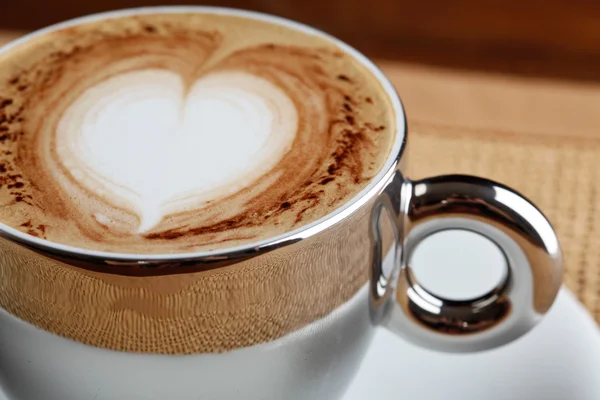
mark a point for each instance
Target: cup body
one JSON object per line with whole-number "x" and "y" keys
{"x": 288, "y": 318}
{"x": 315, "y": 362}
{"x": 292, "y": 323}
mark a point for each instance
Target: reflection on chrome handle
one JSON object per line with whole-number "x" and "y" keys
{"x": 508, "y": 311}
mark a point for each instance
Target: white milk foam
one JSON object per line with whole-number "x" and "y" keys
{"x": 139, "y": 141}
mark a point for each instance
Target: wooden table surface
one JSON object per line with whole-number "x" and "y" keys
{"x": 557, "y": 38}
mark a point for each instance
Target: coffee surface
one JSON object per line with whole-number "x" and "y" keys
{"x": 167, "y": 133}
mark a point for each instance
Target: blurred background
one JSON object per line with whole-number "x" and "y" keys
{"x": 557, "y": 38}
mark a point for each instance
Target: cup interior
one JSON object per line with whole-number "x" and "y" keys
{"x": 371, "y": 190}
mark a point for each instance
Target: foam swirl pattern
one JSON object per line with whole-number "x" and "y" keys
{"x": 182, "y": 132}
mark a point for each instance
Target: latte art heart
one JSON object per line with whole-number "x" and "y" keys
{"x": 140, "y": 142}
{"x": 175, "y": 133}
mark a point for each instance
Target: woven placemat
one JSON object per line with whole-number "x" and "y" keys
{"x": 560, "y": 175}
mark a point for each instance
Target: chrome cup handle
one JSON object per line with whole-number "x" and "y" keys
{"x": 528, "y": 241}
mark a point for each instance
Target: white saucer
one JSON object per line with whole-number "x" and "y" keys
{"x": 558, "y": 360}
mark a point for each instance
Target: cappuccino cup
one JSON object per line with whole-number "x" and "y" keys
{"x": 209, "y": 203}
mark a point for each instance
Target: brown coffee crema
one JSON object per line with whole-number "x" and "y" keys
{"x": 344, "y": 132}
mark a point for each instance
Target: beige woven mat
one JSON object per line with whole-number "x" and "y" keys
{"x": 540, "y": 137}
{"x": 558, "y": 175}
